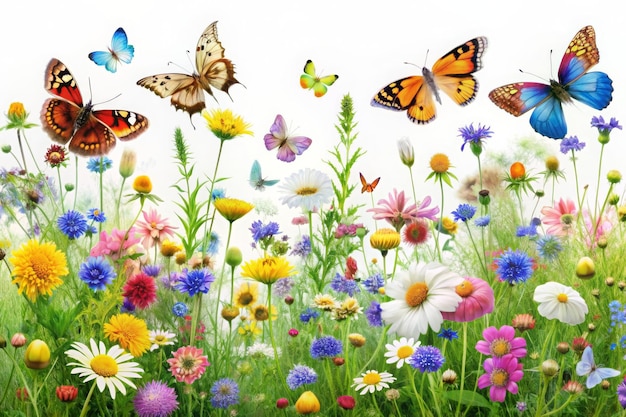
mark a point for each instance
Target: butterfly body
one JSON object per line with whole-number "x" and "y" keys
{"x": 451, "y": 74}
{"x": 256, "y": 178}
{"x": 288, "y": 146}
{"x": 120, "y": 51}
{"x": 574, "y": 83}
{"x": 319, "y": 84}
{"x": 186, "y": 91}
{"x": 368, "y": 187}
{"x": 89, "y": 132}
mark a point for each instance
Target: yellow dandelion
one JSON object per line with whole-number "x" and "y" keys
{"x": 169, "y": 248}
{"x": 37, "y": 268}
{"x": 268, "y": 269}
{"x": 226, "y": 125}
{"x": 385, "y": 239}
{"x": 247, "y": 294}
{"x": 231, "y": 208}
{"x": 130, "y": 332}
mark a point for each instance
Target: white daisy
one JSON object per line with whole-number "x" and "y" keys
{"x": 307, "y": 188}
{"x": 420, "y": 295}
{"x": 260, "y": 350}
{"x": 399, "y": 351}
{"x": 160, "y": 338}
{"x": 372, "y": 381}
{"x": 558, "y": 301}
{"x": 110, "y": 369}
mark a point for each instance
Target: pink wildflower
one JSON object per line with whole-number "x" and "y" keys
{"x": 499, "y": 343}
{"x": 559, "y": 218}
{"x": 110, "y": 244}
{"x": 502, "y": 375}
{"x": 477, "y": 300}
{"x": 153, "y": 229}
{"x": 188, "y": 364}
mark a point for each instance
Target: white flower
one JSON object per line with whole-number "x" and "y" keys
{"x": 420, "y": 295}
{"x": 160, "y": 338}
{"x": 400, "y": 350}
{"x": 110, "y": 369}
{"x": 558, "y": 301}
{"x": 259, "y": 350}
{"x": 372, "y": 381}
{"x": 307, "y": 188}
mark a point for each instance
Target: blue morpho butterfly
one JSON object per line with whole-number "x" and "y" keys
{"x": 120, "y": 51}
{"x": 256, "y": 178}
{"x": 591, "y": 88}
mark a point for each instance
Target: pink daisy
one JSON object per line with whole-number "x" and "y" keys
{"x": 188, "y": 364}
{"x": 559, "y": 218}
{"x": 499, "y": 343}
{"x": 153, "y": 229}
{"x": 502, "y": 375}
{"x": 477, "y": 300}
{"x": 110, "y": 244}
{"x": 395, "y": 210}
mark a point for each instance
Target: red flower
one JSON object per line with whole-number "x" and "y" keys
{"x": 67, "y": 393}
{"x": 55, "y": 155}
{"x": 416, "y": 232}
{"x": 141, "y": 290}
{"x": 346, "y": 402}
{"x": 351, "y": 267}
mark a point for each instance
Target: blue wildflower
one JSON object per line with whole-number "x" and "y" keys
{"x": 604, "y": 127}
{"x": 308, "y": 315}
{"x": 73, "y": 224}
{"x": 180, "y": 309}
{"x": 549, "y": 247}
{"x": 282, "y": 287}
{"x": 224, "y": 393}
{"x": 448, "y": 334}
{"x": 426, "y": 359}
{"x": 344, "y": 285}
{"x": 571, "y": 144}
{"x": 464, "y": 212}
{"x": 474, "y": 136}
{"x": 127, "y": 306}
{"x": 303, "y": 247}
{"x": 514, "y": 267}
{"x": 152, "y": 270}
{"x": 374, "y": 314}
{"x": 97, "y": 273}
{"x": 325, "y": 347}
{"x": 301, "y": 375}
{"x": 96, "y": 215}
{"x": 218, "y": 193}
{"x": 214, "y": 244}
{"x": 262, "y": 231}
{"x": 91, "y": 230}
{"x": 374, "y": 283}
{"x": 530, "y": 231}
{"x": 483, "y": 221}
{"x": 195, "y": 281}
{"x": 99, "y": 164}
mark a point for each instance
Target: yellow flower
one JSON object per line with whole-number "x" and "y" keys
{"x": 225, "y": 125}
{"x": 440, "y": 163}
{"x": 385, "y": 239}
{"x": 268, "y": 269}
{"x": 142, "y": 184}
{"x": 249, "y": 329}
{"x": 449, "y": 226}
{"x": 232, "y": 209}
{"x": 169, "y": 248}
{"x": 17, "y": 117}
{"x": 37, "y": 355}
{"x": 247, "y": 294}
{"x": 130, "y": 332}
{"x": 307, "y": 403}
{"x": 260, "y": 312}
{"x": 37, "y": 268}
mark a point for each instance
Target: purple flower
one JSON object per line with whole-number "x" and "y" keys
{"x": 155, "y": 399}
{"x": 474, "y": 136}
{"x": 426, "y": 359}
{"x": 151, "y": 270}
{"x": 571, "y": 144}
{"x": 262, "y": 231}
{"x": 96, "y": 215}
{"x": 300, "y": 375}
{"x": 621, "y": 394}
{"x": 373, "y": 283}
{"x": 344, "y": 285}
{"x": 195, "y": 281}
{"x": 464, "y": 212}
{"x": 604, "y": 127}
{"x": 483, "y": 221}
{"x": 308, "y": 315}
{"x": 374, "y": 314}
{"x": 303, "y": 247}
{"x": 282, "y": 287}
{"x": 224, "y": 393}
{"x": 325, "y": 347}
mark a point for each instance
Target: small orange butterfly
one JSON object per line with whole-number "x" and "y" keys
{"x": 89, "y": 132}
{"x": 452, "y": 73}
{"x": 368, "y": 187}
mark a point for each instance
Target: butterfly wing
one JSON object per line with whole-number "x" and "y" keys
{"x": 452, "y": 72}
{"x": 214, "y": 69}
{"x": 411, "y": 94}
{"x": 309, "y": 80}
{"x": 368, "y": 187}
{"x": 185, "y": 90}
{"x": 256, "y": 178}
{"x": 120, "y": 51}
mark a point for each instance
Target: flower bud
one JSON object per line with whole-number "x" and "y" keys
{"x": 21, "y": 393}
{"x": 392, "y": 394}
{"x": 289, "y": 300}
{"x": 483, "y": 197}
{"x": 552, "y": 163}
{"x": 347, "y": 402}
{"x": 613, "y": 199}
{"x": 37, "y": 355}
{"x": 585, "y": 268}
{"x": 69, "y": 187}
{"x": 549, "y": 368}
{"x": 449, "y": 377}
{"x": 517, "y": 170}
{"x": 605, "y": 384}
{"x": 356, "y": 339}
{"x": 128, "y": 163}
{"x": 142, "y": 184}
{"x": 234, "y": 256}
{"x": 18, "y": 340}
{"x": 308, "y": 403}
{"x": 67, "y": 393}
{"x": 540, "y": 193}
{"x": 603, "y": 242}
{"x": 614, "y": 176}
{"x": 591, "y": 327}
{"x": 6, "y": 148}
{"x": 621, "y": 213}
{"x": 385, "y": 239}
{"x": 595, "y": 292}
{"x": 407, "y": 154}
{"x": 609, "y": 281}
{"x": 293, "y": 332}
{"x": 230, "y": 312}
{"x": 3, "y": 342}
{"x": 282, "y": 403}
{"x": 339, "y": 361}
{"x": 562, "y": 347}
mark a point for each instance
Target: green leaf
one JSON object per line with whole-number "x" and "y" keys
{"x": 468, "y": 398}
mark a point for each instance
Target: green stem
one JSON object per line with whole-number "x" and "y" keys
{"x": 83, "y": 412}
{"x": 463, "y": 362}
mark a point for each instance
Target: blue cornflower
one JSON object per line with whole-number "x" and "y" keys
{"x": 344, "y": 285}
{"x": 514, "y": 266}
{"x": 426, "y": 359}
{"x": 308, "y": 315}
{"x": 214, "y": 244}
{"x": 180, "y": 309}
{"x": 374, "y": 283}
{"x": 224, "y": 393}
{"x": 325, "y": 347}
{"x": 262, "y": 231}
{"x": 218, "y": 193}
{"x": 303, "y": 247}
{"x": 97, "y": 273}
{"x": 283, "y": 286}
{"x": 301, "y": 375}
{"x": 464, "y": 212}
{"x": 530, "y": 231}
{"x": 73, "y": 224}
{"x": 96, "y": 215}
{"x": 548, "y": 247}
{"x": 91, "y": 230}
{"x": 448, "y": 334}
{"x": 127, "y": 306}
{"x": 571, "y": 144}
{"x": 618, "y": 313}
{"x": 195, "y": 281}
{"x": 99, "y": 164}
{"x": 474, "y": 136}
{"x": 604, "y": 127}
{"x": 483, "y": 221}
{"x": 152, "y": 270}
{"x": 374, "y": 314}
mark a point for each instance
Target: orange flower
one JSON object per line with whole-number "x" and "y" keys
{"x": 517, "y": 170}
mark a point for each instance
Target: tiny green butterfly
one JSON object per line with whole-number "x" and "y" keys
{"x": 310, "y": 80}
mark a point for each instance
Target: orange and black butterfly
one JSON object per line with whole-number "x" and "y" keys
{"x": 89, "y": 132}
{"x": 368, "y": 187}
{"x": 452, "y": 74}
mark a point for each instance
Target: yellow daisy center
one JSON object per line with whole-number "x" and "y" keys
{"x": 160, "y": 339}
{"x": 372, "y": 378}
{"x": 104, "y": 365}
{"x": 440, "y": 163}
{"x": 465, "y": 289}
{"x": 500, "y": 347}
{"x": 404, "y": 351}
{"x": 562, "y": 298}
{"x": 245, "y": 299}
{"x": 416, "y": 294}
{"x": 306, "y": 190}
{"x": 499, "y": 377}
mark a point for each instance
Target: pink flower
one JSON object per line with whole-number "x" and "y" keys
{"x": 559, "y": 218}
{"x": 502, "y": 375}
{"x": 499, "y": 343}
{"x": 188, "y": 364}
{"x": 395, "y": 210}
{"x": 153, "y": 229}
{"x": 603, "y": 226}
{"x": 424, "y": 212}
{"x": 110, "y": 244}
{"x": 477, "y": 300}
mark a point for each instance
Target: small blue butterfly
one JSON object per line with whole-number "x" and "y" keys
{"x": 594, "y": 89}
{"x": 120, "y": 51}
{"x": 256, "y": 178}
{"x": 587, "y": 366}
